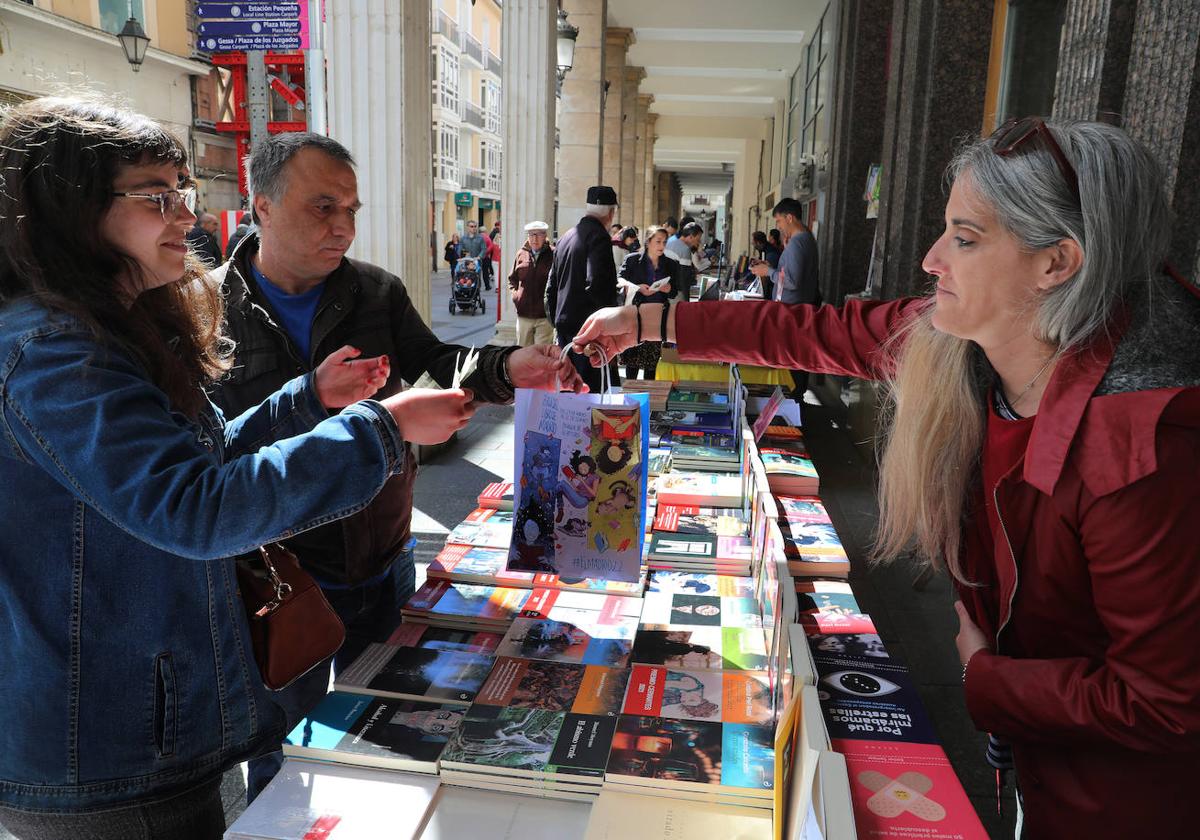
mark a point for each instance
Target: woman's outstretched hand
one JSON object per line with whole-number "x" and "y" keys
{"x": 615, "y": 329}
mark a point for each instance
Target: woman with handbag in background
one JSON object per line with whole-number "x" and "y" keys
{"x": 1043, "y": 446}
{"x": 129, "y": 683}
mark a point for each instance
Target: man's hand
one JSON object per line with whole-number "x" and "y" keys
{"x": 970, "y": 639}
{"x": 428, "y": 415}
{"x": 342, "y": 378}
{"x": 760, "y": 269}
{"x": 542, "y": 366}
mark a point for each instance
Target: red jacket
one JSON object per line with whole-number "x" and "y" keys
{"x": 1091, "y": 586}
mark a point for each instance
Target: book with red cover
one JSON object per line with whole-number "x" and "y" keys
{"x": 496, "y": 496}
{"x": 907, "y": 790}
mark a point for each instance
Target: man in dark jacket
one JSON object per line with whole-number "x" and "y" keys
{"x": 243, "y": 227}
{"x": 294, "y": 299}
{"x": 203, "y": 239}
{"x": 527, "y": 285}
{"x": 583, "y": 278}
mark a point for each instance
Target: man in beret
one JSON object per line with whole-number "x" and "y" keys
{"x": 527, "y": 285}
{"x": 583, "y": 278}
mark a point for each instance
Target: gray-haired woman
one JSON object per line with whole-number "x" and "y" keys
{"x": 1043, "y": 444}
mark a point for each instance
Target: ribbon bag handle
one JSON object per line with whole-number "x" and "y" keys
{"x": 605, "y": 377}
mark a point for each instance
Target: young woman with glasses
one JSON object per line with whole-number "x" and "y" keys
{"x": 127, "y": 680}
{"x": 1043, "y": 445}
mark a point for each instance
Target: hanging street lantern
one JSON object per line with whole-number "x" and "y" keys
{"x": 134, "y": 41}
{"x": 566, "y": 45}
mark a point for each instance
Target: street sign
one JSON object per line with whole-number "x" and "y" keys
{"x": 464, "y": 199}
{"x": 235, "y": 28}
{"x": 246, "y": 43}
{"x": 243, "y": 11}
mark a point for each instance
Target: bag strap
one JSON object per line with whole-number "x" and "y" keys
{"x": 605, "y": 378}
{"x": 282, "y": 588}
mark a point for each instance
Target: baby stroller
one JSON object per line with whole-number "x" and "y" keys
{"x": 464, "y": 287}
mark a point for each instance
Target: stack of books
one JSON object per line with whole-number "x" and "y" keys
{"x": 371, "y": 731}
{"x": 464, "y": 606}
{"x": 700, "y": 632}
{"x": 571, "y": 628}
{"x": 417, "y": 673}
{"x": 699, "y": 583}
{"x": 658, "y": 389}
{"x": 699, "y": 489}
{"x": 486, "y": 567}
{"x": 695, "y": 397}
{"x": 701, "y": 458}
{"x": 828, "y": 606}
{"x": 789, "y": 472}
{"x": 496, "y": 496}
{"x": 814, "y": 549}
{"x": 621, "y": 815}
{"x": 722, "y": 763}
{"x": 465, "y": 813}
{"x": 484, "y": 527}
{"x": 538, "y": 727}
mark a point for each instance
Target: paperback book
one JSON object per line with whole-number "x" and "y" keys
{"x": 464, "y": 606}
{"x": 443, "y": 638}
{"x": 700, "y": 489}
{"x": 693, "y": 755}
{"x": 556, "y": 686}
{"x": 620, "y": 816}
{"x": 701, "y": 521}
{"x": 702, "y": 648}
{"x": 486, "y": 567}
{"x": 907, "y": 790}
{"x": 684, "y": 611}
{"x": 699, "y": 549}
{"x": 562, "y": 633}
{"x": 803, "y": 510}
{"x": 829, "y": 606}
{"x": 719, "y": 696}
{"x": 413, "y": 673}
{"x": 699, "y": 583}
{"x": 484, "y": 527}
{"x": 375, "y": 732}
{"x": 870, "y": 698}
{"x": 464, "y": 813}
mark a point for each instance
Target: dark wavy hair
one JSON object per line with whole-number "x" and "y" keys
{"x": 59, "y": 158}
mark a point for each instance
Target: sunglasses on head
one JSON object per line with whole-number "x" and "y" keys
{"x": 1008, "y": 139}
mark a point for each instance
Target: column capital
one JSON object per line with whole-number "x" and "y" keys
{"x": 633, "y": 73}
{"x": 645, "y": 100}
{"x": 619, "y": 36}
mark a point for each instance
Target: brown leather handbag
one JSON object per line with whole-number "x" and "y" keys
{"x": 292, "y": 626}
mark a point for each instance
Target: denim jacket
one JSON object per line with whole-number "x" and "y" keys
{"x": 125, "y": 663}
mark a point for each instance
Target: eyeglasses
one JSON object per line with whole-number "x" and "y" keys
{"x": 169, "y": 202}
{"x": 1008, "y": 138}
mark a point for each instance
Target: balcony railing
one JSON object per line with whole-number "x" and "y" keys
{"x": 442, "y": 23}
{"x": 493, "y": 64}
{"x": 474, "y": 115}
{"x": 474, "y": 179}
{"x": 492, "y": 179}
{"x": 471, "y": 48}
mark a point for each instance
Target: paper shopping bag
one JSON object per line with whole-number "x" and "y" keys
{"x": 579, "y": 494}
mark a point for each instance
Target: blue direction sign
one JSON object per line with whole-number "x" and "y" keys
{"x": 233, "y": 28}
{"x": 241, "y": 11}
{"x": 246, "y": 43}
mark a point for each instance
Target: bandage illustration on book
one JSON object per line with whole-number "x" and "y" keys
{"x": 906, "y": 792}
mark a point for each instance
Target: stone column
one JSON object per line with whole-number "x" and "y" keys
{"x": 617, "y": 41}
{"x": 649, "y": 203}
{"x": 662, "y": 197}
{"x": 528, "y": 54}
{"x": 938, "y": 68}
{"x": 580, "y": 121}
{"x": 627, "y": 214}
{"x": 641, "y": 112}
{"x": 379, "y": 95}
{"x": 1162, "y": 110}
{"x": 1093, "y": 58}
{"x": 857, "y": 142}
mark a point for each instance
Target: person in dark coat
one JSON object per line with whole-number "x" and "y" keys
{"x": 245, "y": 222}
{"x": 583, "y": 277}
{"x": 202, "y": 239}
{"x": 453, "y": 252}
{"x": 649, "y": 276}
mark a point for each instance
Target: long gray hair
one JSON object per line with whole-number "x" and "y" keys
{"x": 936, "y": 419}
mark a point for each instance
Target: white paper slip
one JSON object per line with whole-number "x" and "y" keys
{"x": 468, "y": 813}
{"x": 461, "y": 372}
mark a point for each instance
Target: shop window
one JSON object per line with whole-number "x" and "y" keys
{"x": 1032, "y": 31}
